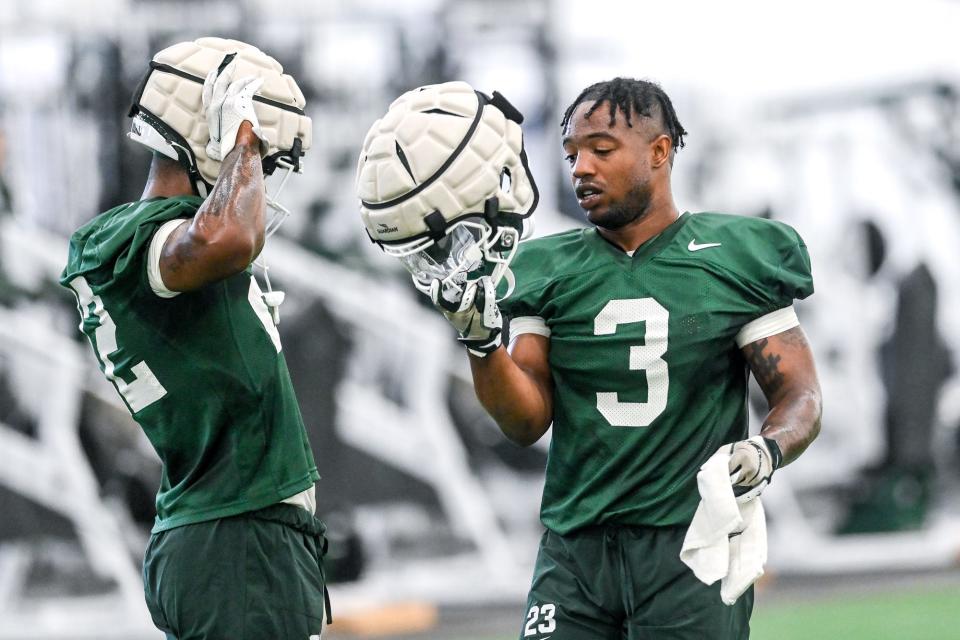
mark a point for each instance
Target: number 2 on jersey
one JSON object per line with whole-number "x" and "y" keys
{"x": 646, "y": 357}
{"x": 145, "y": 388}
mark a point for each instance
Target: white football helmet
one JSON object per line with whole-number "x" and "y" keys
{"x": 444, "y": 184}
{"x": 168, "y": 113}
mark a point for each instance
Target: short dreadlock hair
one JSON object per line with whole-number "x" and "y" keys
{"x": 630, "y": 96}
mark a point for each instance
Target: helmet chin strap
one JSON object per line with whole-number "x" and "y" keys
{"x": 200, "y": 186}
{"x": 281, "y": 213}
{"x": 506, "y": 237}
{"x": 273, "y": 299}
{"x": 502, "y": 270}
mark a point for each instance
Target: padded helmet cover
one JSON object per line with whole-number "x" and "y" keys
{"x": 446, "y": 148}
{"x": 171, "y": 93}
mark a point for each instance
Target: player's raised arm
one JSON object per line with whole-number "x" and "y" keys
{"x": 227, "y": 233}
{"x": 516, "y": 389}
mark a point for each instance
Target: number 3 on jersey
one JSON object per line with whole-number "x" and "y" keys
{"x": 646, "y": 357}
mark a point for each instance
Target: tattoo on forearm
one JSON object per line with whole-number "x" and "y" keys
{"x": 765, "y": 366}
{"x": 235, "y": 176}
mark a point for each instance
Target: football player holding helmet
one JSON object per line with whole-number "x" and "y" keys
{"x": 180, "y": 326}
{"x": 444, "y": 186}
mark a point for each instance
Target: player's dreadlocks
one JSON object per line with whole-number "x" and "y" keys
{"x": 630, "y": 97}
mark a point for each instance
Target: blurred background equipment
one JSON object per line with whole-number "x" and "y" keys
{"x": 433, "y": 515}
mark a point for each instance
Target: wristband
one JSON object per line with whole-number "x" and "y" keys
{"x": 776, "y": 456}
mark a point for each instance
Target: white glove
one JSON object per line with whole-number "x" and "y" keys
{"x": 751, "y": 466}
{"x": 473, "y": 312}
{"x": 227, "y": 103}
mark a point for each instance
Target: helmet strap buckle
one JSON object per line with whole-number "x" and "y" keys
{"x": 436, "y": 225}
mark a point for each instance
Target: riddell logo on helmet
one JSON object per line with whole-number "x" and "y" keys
{"x": 384, "y": 228}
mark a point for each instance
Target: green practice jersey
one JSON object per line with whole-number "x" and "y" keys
{"x": 648, "y": 379}
{"x": 201, "y": 372}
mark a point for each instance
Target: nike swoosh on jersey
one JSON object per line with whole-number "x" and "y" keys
{"x": 693, "y": 246}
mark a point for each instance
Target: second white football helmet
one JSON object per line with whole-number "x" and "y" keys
{"x": 444, "y": 185}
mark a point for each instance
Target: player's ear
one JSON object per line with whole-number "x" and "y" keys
{"x": 660, "y": 150}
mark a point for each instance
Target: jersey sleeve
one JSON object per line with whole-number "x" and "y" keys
{"x": 793, "y": 279}
{"x": 114, "y": 246}
{"x": 773, "y": 267}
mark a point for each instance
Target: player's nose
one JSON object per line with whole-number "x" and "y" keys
{"x": 583, "y": 166}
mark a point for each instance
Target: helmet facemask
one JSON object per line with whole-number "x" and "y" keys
{"x": 468, "y": 249}
{"x": 289, "y": 163}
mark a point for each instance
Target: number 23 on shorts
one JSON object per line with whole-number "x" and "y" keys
{"x": 540, "y": 619}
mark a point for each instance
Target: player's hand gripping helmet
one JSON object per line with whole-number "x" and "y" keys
{"x": 168, "y": 114}
{"x": 444, "y": 184}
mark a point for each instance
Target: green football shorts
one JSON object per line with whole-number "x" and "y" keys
{"x": 613, "y": 583}
{"x": 252, "y": 576}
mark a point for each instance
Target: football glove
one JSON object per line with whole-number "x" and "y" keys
{"x": 227, "y": 103}
{"x": 473, "y": 312}
{"x": 752, "y": 463}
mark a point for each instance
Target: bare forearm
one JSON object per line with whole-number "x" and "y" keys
{"x": 794, "y": 423}
{"x": 227, "y": 233}
{"x": 236, "y": 206}
{"x": 784, "y": 368}
{"x": 521, "y": 406}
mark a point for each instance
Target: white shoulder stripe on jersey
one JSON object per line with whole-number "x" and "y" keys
{"x": 527, "y": 324}
{"x": 153, "y": 257}
{"x": 769, "y": 325}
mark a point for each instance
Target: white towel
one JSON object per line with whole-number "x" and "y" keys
{"x": 727, "y": 540}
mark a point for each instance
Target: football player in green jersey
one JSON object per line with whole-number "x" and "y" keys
{"x": 180, "y": 326}
{"x": 634, "y": 339}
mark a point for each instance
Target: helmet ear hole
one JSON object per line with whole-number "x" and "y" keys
{"x": 506, "y": 180}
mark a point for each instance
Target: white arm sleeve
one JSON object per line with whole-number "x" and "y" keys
{"x": 153, "y": 257}
{"x": 769, "y": 325}
{"x": 527, "y": 324}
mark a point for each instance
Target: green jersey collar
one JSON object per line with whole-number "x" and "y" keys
{"x": 648, "y": 249}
